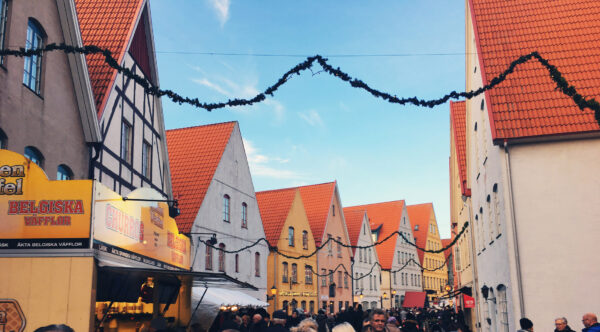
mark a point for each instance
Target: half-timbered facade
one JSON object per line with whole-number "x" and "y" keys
{"x": 133, "y": 153}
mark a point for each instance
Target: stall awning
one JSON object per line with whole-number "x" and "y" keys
{"x": 225, "y": 297}
{"x": 414, "y": 300}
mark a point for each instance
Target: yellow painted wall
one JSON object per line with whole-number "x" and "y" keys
{"x": 50, "y": 290}
{"x": 385, "y": 288}
{"x": 437, "y": 278}
{"x": 296, "y": 218}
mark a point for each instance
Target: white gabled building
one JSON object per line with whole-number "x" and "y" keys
{"x": 366, "y": 269}
{"x": 212, "y": 182}
{"x": 532, "y": 163}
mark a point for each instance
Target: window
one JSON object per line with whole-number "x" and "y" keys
{"x": 370, "y": 256}
{"x": 333, "y": 209}
{"x": 311, "y": 307}
{"x": 416, "y": 227}
{"x": 502, "y": 309}
{"x": 285, "y": 306}
{"x": 291, "y": 236}
{"x": 3, "y": 19}
{"x": 294, "y": 273}
{"x": 146, "y": 159}
{"x": 339, "y": 246}
{"x": 3, "y": 137}
{"x": 329, "y": 245}
{"x": 237, "y": 263}
{"x": 360, "y": 255}
{"x": 496, "y": 208}
{"x": 126, "y": 142}
{"x": 394, "y": 278}
{"x": 64, "y": 173}
{"x": 345, "y": 281}
{"x": 331, "y": 277}
{"x": 323, "y": 278}
{"x": 221, "y": 258}
{"x": 226, "y": 208}
{"x": 257, "y": 264}
{"x": 209, "y": 259}
{"x": 356, "y": 280}
{"x": 303, "y": 305}
{"x": 284, "y": 274}
{"x": 308, "y": 274}
{"x": 339, "y": 283}
{"x": 34, "y": 155}
{"x": 244, "y": 215}
{"x": 304, "y": 239}
{"x": 33, "y": 64}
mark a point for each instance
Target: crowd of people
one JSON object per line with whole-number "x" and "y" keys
{"x": 355, "y": 319}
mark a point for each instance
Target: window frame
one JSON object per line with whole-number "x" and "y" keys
{"x": 305, "y": 240}
{"x": 237, "y": 263}
{"x": 34, "y": 39}
{"x": 3, "y": 136}
{"x": 208, "y": 258}
{"x": 39, "y": 156}
{"x": 67, "y": 173}
{"x": 221, "y": 264}
{"x": 3, "y": 24}
{"x": 291, "y": 239}
{"x": 257, "y": 264}
{"x": 244, "y": 215}
{"x": 294, "y": 275}
{"x": 226, "y": 208}
{"x": 146, "y": 159}
{"x": 126, "y": 142}
{"x": 308, "y": 279}
{"x": 285, "y": 272}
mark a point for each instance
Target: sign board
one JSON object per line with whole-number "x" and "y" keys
{"x": 11, "y": 316}
{"x": 37, "y": 213}
{"x": 139, "y": 228}
{"x": 468, "y": 301}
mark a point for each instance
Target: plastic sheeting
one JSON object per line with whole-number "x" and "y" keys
{"x": 214, "y": 299}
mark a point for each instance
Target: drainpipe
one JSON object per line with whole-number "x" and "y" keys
{"x": 474, "y": 269}
{"x": 513, "y": 225}
{"x": 275, "y": 281}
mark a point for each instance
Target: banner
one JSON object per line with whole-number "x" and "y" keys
{"x": 37, "y": 213}
{"x": 468, "y": 301}
{"x": 139, "y": 229}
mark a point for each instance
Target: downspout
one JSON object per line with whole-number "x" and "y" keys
{"x": 390, "y": 279}
{"x": 275, "y": 280}
{"x": 474, "y": 268}
{"x": 352, "y": 279}
{"x": 513, "y": 225}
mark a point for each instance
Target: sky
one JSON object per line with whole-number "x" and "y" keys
{"x": 317, "y": 128}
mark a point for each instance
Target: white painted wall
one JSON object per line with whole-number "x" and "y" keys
{"x": 556, "y": 190}
{"x": 363, "y": 263}
{"x": 233, "y": 178}
{"x": 402, "y": 255}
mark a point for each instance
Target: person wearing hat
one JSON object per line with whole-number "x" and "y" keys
{"x": 526, "y": 325}
{"x": 392, "y": 324}
{"x": 278, "y": 322}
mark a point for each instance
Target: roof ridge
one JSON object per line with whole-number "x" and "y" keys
{"x": 421, "y": 204}
{"x": 298, "y": 187}
{"x": 275, "y": 190}
{"x": 206, "y": 125}
{"x": 394, "y": 201}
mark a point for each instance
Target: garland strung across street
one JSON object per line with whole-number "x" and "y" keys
{"x": 561, "y": 83}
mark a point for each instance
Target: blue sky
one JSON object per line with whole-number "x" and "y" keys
{"x": 317, "y": 128}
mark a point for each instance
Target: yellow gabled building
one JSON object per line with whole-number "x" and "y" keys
{"x": 427, "y": 236}
{"x": 291, "y": 282}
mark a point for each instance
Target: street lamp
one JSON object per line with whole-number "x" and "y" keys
{"x": 273, "y": 293}
{"x": 392, "y": 297}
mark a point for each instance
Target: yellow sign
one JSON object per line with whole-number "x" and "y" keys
{"x": 37, "y": 213}
{"x": 138, "y": 228}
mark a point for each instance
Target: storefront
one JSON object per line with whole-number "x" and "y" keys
{"x": 77, "y": 253}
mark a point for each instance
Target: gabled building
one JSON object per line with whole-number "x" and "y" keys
{"x": 288, "y": 230}
{"x": 47, "y": 110}
{"x": 325, "y": 215}
{"x": 397, "y": 257}
{"x": 460, "y": 210}
{"x": 133, "y": 152}
{"x": 532, "y": 159}
{"x": 427, "y": 236}
{"x": 366, "y": 268}
{"x": 212, "y": 182}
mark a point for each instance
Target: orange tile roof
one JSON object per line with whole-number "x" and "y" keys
{"x": 317, "y": 200}
{"x": 527, "y": 104}
{"x": 274, "y": 206}
{"x": 419, "y": 214}
{"x": 447, "y": 252}
{"x": 388, "y": 216}
{"x": 354, "y": 220}
{"x": 194, "y": 154}
{"x": 108, "y": 25}
{"x": 459, "y": 123}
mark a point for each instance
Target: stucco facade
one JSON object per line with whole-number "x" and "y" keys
{"x": 38, "y": 119}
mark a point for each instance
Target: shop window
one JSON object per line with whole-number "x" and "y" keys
{"x": 3, "y": 138}
{"x": 146, "y": 159}
{"x": 294, "y": 273}
{"x": 308, "y": 275}
{"x": 3, "y": 19}
{"x": 237, "y": 263}
{"x": 244, "y": 215}
{"x": 34, "y": 155}
{"x": 64, "y": 173}
{"x": 305, "y": 240}
{"x": 303, "y": 306}
{"x": 209, "y": 258}
{"x": 257, "y": 264}
{"x": 285, "y": 306}
{"x": 339, "y": 246}
{"x": 221, "y": 257}
{"x": 311, "y": 307}
{"x": 226, "y": 200}
{"x": 340, "y": 306}
{"x": 32, "y": 72}
{"x": 126, "y": 142}
{"x": 291, "y": 236}
{"x": 284, "y": 273}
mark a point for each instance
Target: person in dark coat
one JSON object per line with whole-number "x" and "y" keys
{"x": 278, "y": 322}
{"x": 561, "y": 325}
{"x": 258, "y": 323}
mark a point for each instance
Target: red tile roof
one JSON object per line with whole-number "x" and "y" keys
{"x": 194, "y": 154}
{"x": 566, "y": 32}
{"x": 274, "y": 206}
{"x": 108, "y": 25}
{"x": 459, "y": 123}
{"x": 354, "y": 220}
{"x": 388, "y": 216}
{"x": 419, "y": 215}
{"x": 447, "y": 252}
{"x": 317, "y": 200}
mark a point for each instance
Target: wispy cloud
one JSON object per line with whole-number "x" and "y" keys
{"x": 312, "y": 117}
{"x": 260, "y": 164}
{"x": 211, "y": 85}
{"x": 222, "y": 9}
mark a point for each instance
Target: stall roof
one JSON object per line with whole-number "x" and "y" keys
{"x": 225, "y": 297}
{"x": 414, "y": 300}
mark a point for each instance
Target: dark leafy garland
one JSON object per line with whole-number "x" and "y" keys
{"x": 561, "y": 83}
